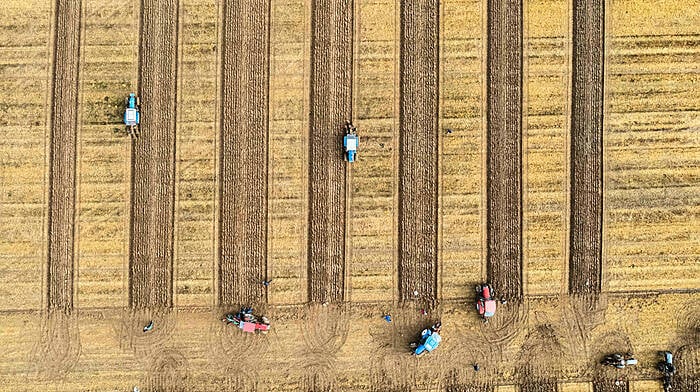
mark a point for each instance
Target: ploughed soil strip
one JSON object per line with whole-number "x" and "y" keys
{"x": 244, "y": 126}
{"x": 153, "y": 159}
{"x": 331, "y": 106}
{"x": 610, "y": 385}
{"x": 62, "y": 172}
{"x": 585, "y": 260}
{"x": 539, "y": 385}
{"x": 418, "y": 150}
{"x": 504, "y": 128}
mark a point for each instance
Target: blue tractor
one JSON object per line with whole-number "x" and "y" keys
{"x": 429, "y": 340}
{"x": 132, "y": 115}
{"x": 350, "y": 142}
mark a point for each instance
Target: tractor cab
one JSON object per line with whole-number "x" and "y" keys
{"x": 429, "y": 340}
{"x": 485, "y": 304}
{"x": 132, "y": 115}
{"x": 350, "y": 142}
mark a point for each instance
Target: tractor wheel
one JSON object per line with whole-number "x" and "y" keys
{"x": 138, "y": 101}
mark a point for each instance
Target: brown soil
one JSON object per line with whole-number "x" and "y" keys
{"x": 244, "y": 125}
{"x": 128, "y": 328}
{"x": 153, "y": 159}
{"x": 542, "y": 347}
{"x": 504, "y": 123}
{"x": 331, "y": 106}
{"x": 168, "y": 371}
{"x": 587, "y": 147}
{"x": 62, "y": 174}
{"x": 418, "y": 151}
{"x": 539, "y": 385}
{"x": 454, "y": 381}
{"x": 610, "y": 385}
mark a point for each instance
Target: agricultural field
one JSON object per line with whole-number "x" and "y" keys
{"x": 549, "y": 147}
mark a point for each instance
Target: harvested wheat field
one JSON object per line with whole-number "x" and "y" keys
{"x": 550, "y": 148}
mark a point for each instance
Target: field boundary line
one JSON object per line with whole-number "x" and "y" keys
{"x": 395, "y": 159}
{"x": 604, "y": 245}
{"x": 483, "y": 199}
{"x": 268, "y": 162}
{"x": 216, "y": 195}
{"x": 617, "y": 294}
{"x": 524, "y": 145}
{"x": 48, "y": 98}
{"x": 78, "y": 160}
{"x": 304, "y": 164}
{"x": 567, "y": 165}
{"x": 440, "y": 203}
{"x": 128, "y": 147}
{"x": 347, "y": 274}
{"x": 176, "y": 155}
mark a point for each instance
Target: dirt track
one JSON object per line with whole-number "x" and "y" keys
{"x": 153, "y": 160}
{"x": 331, "y": 106}
{"x": 587, "y": 148}
{"x": 62, "y": 177}
{"x": 504, "y": 119}
{"x": 243, "y": 157}
{"x": 418, "y": 149}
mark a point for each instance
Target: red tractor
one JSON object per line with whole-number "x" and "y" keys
{"x": 485, "y": 304}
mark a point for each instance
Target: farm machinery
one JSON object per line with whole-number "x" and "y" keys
{"x": 667, "y": 368}
{"x": 485, "y": 303}
{"x": 132, "y": 115}
{"x": 247, "y": 322}
{"x": 350, "y": 142}
{"x": 429, "y": 340}
{"x": 619, "y": 361}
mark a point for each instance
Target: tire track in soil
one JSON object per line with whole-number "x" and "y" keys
{"x": 63, "y": 153}
{"x": 585, "y": 257}
{"x": 324, "y": 330}
{"x": 607, "y": 378}
{"x": 389, "y": 367}
{"x": 244, "y": 156}
{"x": 541, "y": 359}
{"x": 128, "y": 328}
{"x": 153, "y": 159}
{"x": 418, "y": 151}
{"x": 504, "y": 146}
{"x": 58, "y": 348}
{"x": 510, "y": 320}
{"x": 227, "y": 341}
{"x": 580, "y": 315}
{"x": 331, "y": 106}
{"x": 168, "y": 371}
{"x": 462, "y": 380}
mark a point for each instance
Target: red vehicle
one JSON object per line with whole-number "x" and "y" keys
{"x": 246, "y": 321}
{"x": 485, "y": 304}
